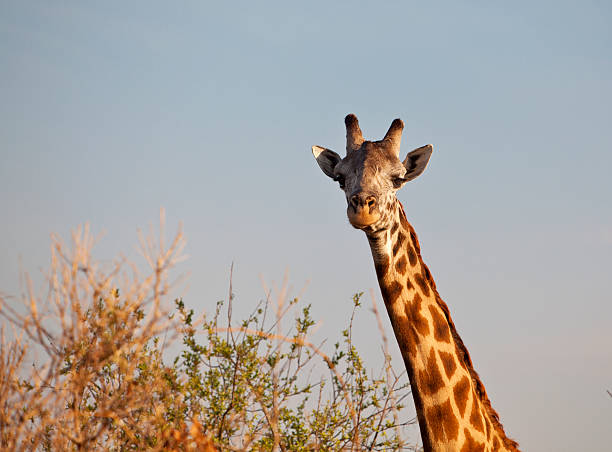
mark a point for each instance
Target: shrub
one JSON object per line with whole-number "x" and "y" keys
{"x": 102, "y": 378}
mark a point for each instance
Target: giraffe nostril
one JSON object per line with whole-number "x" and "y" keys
{"x": 360, "y": 200}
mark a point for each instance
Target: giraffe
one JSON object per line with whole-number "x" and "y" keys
{"x": 453, "y": 409}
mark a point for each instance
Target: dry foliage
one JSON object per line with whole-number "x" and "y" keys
{"x": 101, "y": 379}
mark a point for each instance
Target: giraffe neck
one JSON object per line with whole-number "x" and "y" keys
{"x": 452, "y": 406}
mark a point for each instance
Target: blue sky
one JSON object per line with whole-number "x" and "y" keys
{"x": 111, "y": 110}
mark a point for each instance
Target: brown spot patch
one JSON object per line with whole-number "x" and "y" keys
{"x": 400, "y": 265}
{"x": 422, "y": 284}
{"x": 449, "y": 363}
{"x": 382, "y": 267}
{"x": 440, "y": 325}
{"x": 412, "y": 256}
{"x": 442, "y": 422}
{"x": 409, "y": 284}
{"x": 398, "y": 242}
{"x": 430, "y": 379}
{"x": 391, "y": 292}
{"x": 394, "y": 227}
{"x": 417, "y": 320}
{"x": 408, "y": 333}
{"x": 461, "y": 392}
{"x": 488, "y": 427}
{"x": 470, "y": 444}
{"x": 417, "y": 300}
{"x": 476, "y": 417}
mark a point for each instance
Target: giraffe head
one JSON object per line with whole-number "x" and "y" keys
{"x": 371, "y": 173}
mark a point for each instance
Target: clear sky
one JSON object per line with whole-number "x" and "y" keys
{"x": 110, "y": 110}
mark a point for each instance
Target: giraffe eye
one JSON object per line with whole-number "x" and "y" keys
{"x": 340, "y": 179}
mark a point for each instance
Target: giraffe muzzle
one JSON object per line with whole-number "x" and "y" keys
{"x": 362, "y": 210}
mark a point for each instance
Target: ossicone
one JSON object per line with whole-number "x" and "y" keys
{"x": 354, "y": 137}
{"x": 394, "y": 135}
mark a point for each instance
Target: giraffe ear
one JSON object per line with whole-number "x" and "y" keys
{"x": 327, "y": 159}
{"x": 416, "y": 161}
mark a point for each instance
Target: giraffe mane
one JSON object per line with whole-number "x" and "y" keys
{"x": 462, "y": 351}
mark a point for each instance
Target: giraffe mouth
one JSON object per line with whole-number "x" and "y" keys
{"x": 361, "y": 218}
